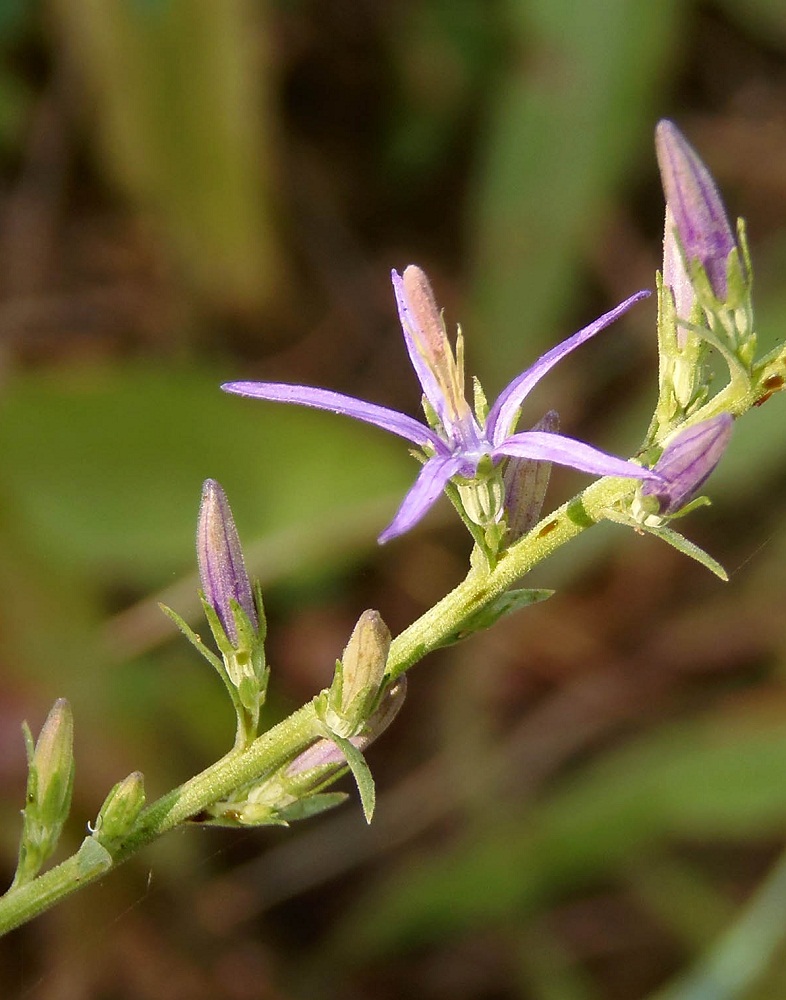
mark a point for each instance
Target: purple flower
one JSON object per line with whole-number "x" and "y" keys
{"x": 696, "y": 210}
{"x": 460, "y": 440}
{"x": 687, "y": 461}
{"x": 221, "y": 566}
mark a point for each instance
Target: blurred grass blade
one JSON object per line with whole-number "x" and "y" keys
{"x": 719, "y": 777}
{"x": 564, "y": 127}
{"x": 177, "y": 89}
{"x": 742, "y": 955}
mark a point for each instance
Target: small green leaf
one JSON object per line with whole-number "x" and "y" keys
{"x": 490, "y": 614}
{"x": 93, "y": 858}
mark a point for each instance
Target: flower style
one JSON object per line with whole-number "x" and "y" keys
{"x": 460, "y": 440}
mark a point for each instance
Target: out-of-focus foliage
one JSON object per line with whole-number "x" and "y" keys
{"x": 586, "y": 803}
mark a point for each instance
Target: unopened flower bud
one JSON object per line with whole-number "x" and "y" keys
{"x": 358, "y": 678}
{"x": 120, "y": 810}
{"x": 49, "y": 786}
{"x": 687, "y": 461}
{"x": 697, "y": 210}
{"x": 222, "y": 570}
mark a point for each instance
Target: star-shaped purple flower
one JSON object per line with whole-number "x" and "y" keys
{"x": 460, "y": 440}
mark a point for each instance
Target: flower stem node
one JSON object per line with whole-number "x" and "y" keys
{"x": 297, "y": 790}
{"x": 346, "y": 706}
{"x": 120, "y": 810}
{"x": 49, "y": 788}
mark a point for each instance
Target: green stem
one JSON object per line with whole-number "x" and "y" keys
{"x": 447, "y": 617}
{"x": 237, "y": 768}
{"x": 242, "y": 766}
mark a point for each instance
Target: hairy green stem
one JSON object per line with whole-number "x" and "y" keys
{"x": 439, "y": 625}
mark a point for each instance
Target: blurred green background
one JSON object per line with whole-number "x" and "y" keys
{"x": 587, "y": 802}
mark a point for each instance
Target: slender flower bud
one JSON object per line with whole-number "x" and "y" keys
{"x": 358, "y": 678}
{"x": 687, "y": 461}
{"x": 221, "y": 566}
{"x": 120, "y": 810}
{"x": 49, "y": 787}
{"x": 526, "y": 482}
{"x": 696, "y": 207}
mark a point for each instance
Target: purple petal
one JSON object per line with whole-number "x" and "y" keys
{"x": 503, "y": 412}
{"x": 431, "y": 481}
{"x": 325, "y": 399}
{"x": 413, "y": 315}
{"x": 547, "y": 447}
{"x": 687, "y": 462}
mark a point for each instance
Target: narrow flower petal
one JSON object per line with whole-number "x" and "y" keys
{"x": 325, "y": 399}
{"x": 430, "y": 483}
{"x": 503, "y": 412}
{"x": 546, "y": 447}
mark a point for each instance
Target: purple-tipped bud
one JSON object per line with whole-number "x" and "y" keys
{"x": 695, "y": 205}
{"x": 221, "y": 566}
{"x": 687, "y": 462}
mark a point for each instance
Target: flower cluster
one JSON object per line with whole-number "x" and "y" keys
{"x": 461, "y": 445}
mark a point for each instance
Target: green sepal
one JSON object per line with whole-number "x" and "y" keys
{"x": 480, "y": 402}
{"x": 246, "y": 721}
{"x": 196, "y": 642}
{"x": 93, "y": 858}
{"x": 687, "y": 548}
{"x": 246, "y": 815}
{"x": 360, "y": 772}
